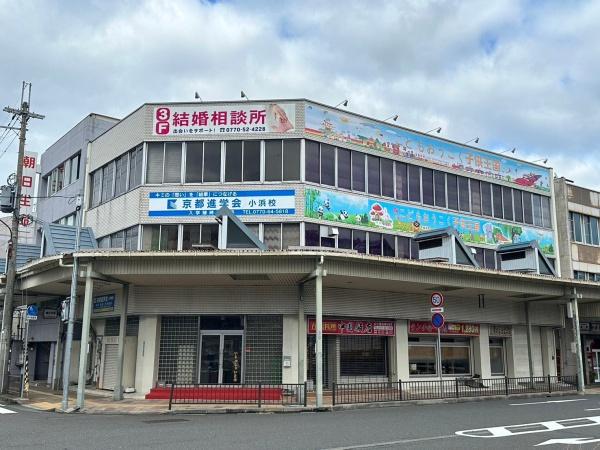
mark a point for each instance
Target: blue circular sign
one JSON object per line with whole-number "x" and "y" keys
{"x": 32, "y": 310}
{"x": 437, "y": 320}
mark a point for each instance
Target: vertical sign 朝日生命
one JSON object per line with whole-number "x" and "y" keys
{"x": 27, "y": 200}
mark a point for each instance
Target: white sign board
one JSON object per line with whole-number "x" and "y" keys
{"x": 27, "y": 201}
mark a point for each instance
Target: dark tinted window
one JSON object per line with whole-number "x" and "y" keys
{"x": 439, "y": 181}
{"x": 507, "y": 202}
{"x": 427, "y": 182}
{"x": 311, "y": 235}
{"x": 327, "y": 164}
{"x": 212, "y": 161}
{"x": 537, "y": 209}
{"x": 193, "y": 162}
{"x": 489, "y": 258}
{"x": 486, "y": 198}
{"x": 387, "y": 177}
{"x": 311, "y": 162}
{"x": 546, "y": 215}
{"x": 291, "y": 160}
{"x": 527, "y": 208}
{"x": 344, "y": 168}
{"x": 518, "y": 205}
{"x": 233, "y": 161}
{"x": 403, "y": 247}
{"x": 358, "y": 171}
{"x": 401, "y": 181}
{"x": 452, "y": 191}
{"x": 345, "y": 238}
{"x": 464, "y": 203}
{"x": 252, "y": 161}
{"x": 414, "y": 183}
{"x": 374, "y": 243}
{"x": 497, "y": 200}
{"x": 475, "y": 197}
{"x": 389, "y": 245}
{"x": 373, "y": 175}
{"x": 273, "y": 160}
{"x": 359, "y": 241}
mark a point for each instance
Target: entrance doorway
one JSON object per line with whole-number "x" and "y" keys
{"x": 42, "y": 360}
{"x": 221, "y": 357}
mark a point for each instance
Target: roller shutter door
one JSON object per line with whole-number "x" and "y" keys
{"x": 109, "y": 377}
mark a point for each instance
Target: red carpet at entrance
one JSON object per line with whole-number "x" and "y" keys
{"x": 215, "y": 393}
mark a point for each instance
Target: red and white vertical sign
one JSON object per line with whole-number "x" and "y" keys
{"x": 28, "y": 197}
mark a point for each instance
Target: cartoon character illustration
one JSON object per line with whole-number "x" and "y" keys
{"x": 488, "y": 230}
{"x": 500, "y": 238}
{"x": 416, "y": 226}
{"x": 376, "y": 213}
{"x": 320, "y": 212}
{"x": 528, "y": 179}
{"x": 343, "y": 215}
{"x": 358, "y": 220}
{"x": 277, "y": 119}
{"x": 326, "y": 203}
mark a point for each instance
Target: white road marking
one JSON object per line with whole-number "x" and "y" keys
{"x": 569, "y": 441}
{"x": 549, "y": 401}
{"x": 6, "y": 411}
{"x": 593, "y": 409}
{"x": 384, "y": 444}
{"x": 527, "y": 428}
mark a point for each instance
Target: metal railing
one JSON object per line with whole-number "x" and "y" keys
{"x": 348, "y": 393}
{"x": 255, "y": 394}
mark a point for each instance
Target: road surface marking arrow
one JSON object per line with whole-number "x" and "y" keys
{"x": 569, "y": 441}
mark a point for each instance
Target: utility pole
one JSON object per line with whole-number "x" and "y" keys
{"x": 11, "y": 272}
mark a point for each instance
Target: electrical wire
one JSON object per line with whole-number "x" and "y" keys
{"x": 8, "y": 146}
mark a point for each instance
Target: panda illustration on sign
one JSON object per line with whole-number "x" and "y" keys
{"x": 343, "y": 215}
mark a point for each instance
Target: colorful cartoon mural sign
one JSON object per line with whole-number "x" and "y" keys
{"x": 353, "y": 209}
{"x": 346, "y": 128}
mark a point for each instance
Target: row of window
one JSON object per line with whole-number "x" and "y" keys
{"x": 117, "y": 177}
{"x": 586, "y": 276}
{"x": 125, "y": 239}
{"x": 356, "y": 171}
{"x": 456, "y": 356}
{"x": 63, "y": 175}
{"x": 584, "y": 228}
{"x": 68, "y": 220}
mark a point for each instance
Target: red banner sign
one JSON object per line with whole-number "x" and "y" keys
{"x": 354, "y": 327}
{"x": 449, "y": 328}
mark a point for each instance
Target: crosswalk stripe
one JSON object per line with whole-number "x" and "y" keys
{"x": 6, "y": 411}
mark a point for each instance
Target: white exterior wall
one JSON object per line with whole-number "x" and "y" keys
{"x": 147, "y": 353}
{"x": 290, "y": 349}
{"x": 481, "y": 353}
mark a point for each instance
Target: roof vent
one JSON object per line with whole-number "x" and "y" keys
{"x": 524, "y": 257}
{"x": 444, "y": 245}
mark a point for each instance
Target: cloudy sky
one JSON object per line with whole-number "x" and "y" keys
{"x": 521, "y": 74}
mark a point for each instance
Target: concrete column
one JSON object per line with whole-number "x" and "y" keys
{"x": 147, "y": 353}
{"x": 577, "y": 335}
{"x": 85, "y": 336}
{"x": 401, "y": 358}
{"x": 319, "y": 336}
{"x": 52, "y": 358}
{"x": 481, "y": 352}
{"x": 548, "y": 351}
{"x": 529, "y": 339}
{"x": 290, "y": 349}
{"x": 301, "y": 337}
{"x": 118, "y": 391}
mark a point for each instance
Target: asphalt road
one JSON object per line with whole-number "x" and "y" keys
{"x": 514, "y": 424}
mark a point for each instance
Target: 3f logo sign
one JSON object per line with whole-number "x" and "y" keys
{"x": 162, "y": 121}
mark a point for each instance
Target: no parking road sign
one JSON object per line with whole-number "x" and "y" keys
{"x": 437, "y": 320}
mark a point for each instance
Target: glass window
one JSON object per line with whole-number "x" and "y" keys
{"x": 594, "y": 230}
{"x": 273, "y": 160}
{"x": 291, "y": 160}
{"x": 464, "y": 203}
{"x": 546, "y": 215}
{"x": 168, "y": 237}
{"x": 497, "y": 357}
{"x": 311, "y": 235}
{"x": 421, "y": 359}
{"x": 475, "y": 197}
{"x": 60, "y": 177}
{"x": 363, "y": 356}
{"x": 116, "y": 240}
{"x": 327, "y": 165}
{"x": 489, "y": 258}
{"x": 359, "y": 241}
{"x": 401, "y": 181}
{"x": 455, "y": 360}
{"x": 507, "y": 202}
{"x": 374, "y": 243}
{"x": 414, "y": 249}
{"x": 518, "y": 205}
{"x": 403, "y": 247}
{"x": 193, "y": 162}
{"x": 389, "y": 245}
{"x": 452, "y": 183}
{"x": 173, "y": 162}
{"x": 427, "y": 182}
{"x": 212, "y": 161}
{"x": 587, "y": 238}
{"x": 233, "y": 161}
{"x": 135, "y": 173}
{"x": 312, "y": 167}
{"x": 154, "y": 165}
{"x": 210, "y": 234}
{"x": 345, "y": 238}
{"x": 121, "y": 174}
{"x": 486, "y": 198}
{"x": 272, "y": 235}
{"x": 497, "y": 200}
{"x": 75, "y": 162}
{"x": 191, "y": 236}
{"x": 373, "y": 175}
{"x": 439, "y": 181}
{"x": 344, "y": 165}
{"x": 151, "y": 237}
{"x": 96, "y": 187}
{"x": 358, "y": 171}
{"x": 527, "y": 208}
{"x": 537, "y": 209}
{"x": 107, "y": 181}
{"x": 387, "y": 177}
{"x": 414, "y": 183}
{"x": 131, "y": 238}
{"x": 251, "y": 160}
{"x": 104, "y": 242}
{"x": 478, "y": 255}
{"x": 290, "y": 235}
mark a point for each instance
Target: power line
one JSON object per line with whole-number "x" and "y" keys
{"x": 8, "y": 146}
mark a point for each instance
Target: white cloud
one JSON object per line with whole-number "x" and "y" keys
{"x": 515, "y": 73}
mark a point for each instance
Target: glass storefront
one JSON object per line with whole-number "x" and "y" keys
{"x": 455, "y": 352}
{"x": 497, "y": 357}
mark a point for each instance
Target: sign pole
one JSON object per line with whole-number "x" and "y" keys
{"x": 25, "y": 369}
{"x": 439, "y": 348}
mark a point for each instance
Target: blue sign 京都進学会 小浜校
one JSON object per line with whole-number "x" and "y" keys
{"x": 207, "y": 203}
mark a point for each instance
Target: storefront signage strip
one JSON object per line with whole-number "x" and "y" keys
{"x": 449, "y": 328}
{"x": 104, "y": 303}
{"x": 354, "y": 327}
{"x": 349, "y": 129}
{"x": 224, "y": 119}
{"x": 206, "y": 203}
{"x": 353, "y": 209}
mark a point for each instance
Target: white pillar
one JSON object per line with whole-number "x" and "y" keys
{"x": 548, "y": 351}
{"x": 301, "y": 337}
{"x": 290, "y": 350}
{"x": 319, "y": 337}
{"x": 147, "y": 353}
{"x": 85, "y": 336}
{"x": 529, "y": 339}
{"x": 481, "y": 349}
{"x": 118, "y": 390}
{"x": 402, "y": 367}
{"x": 577, "y": 335}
